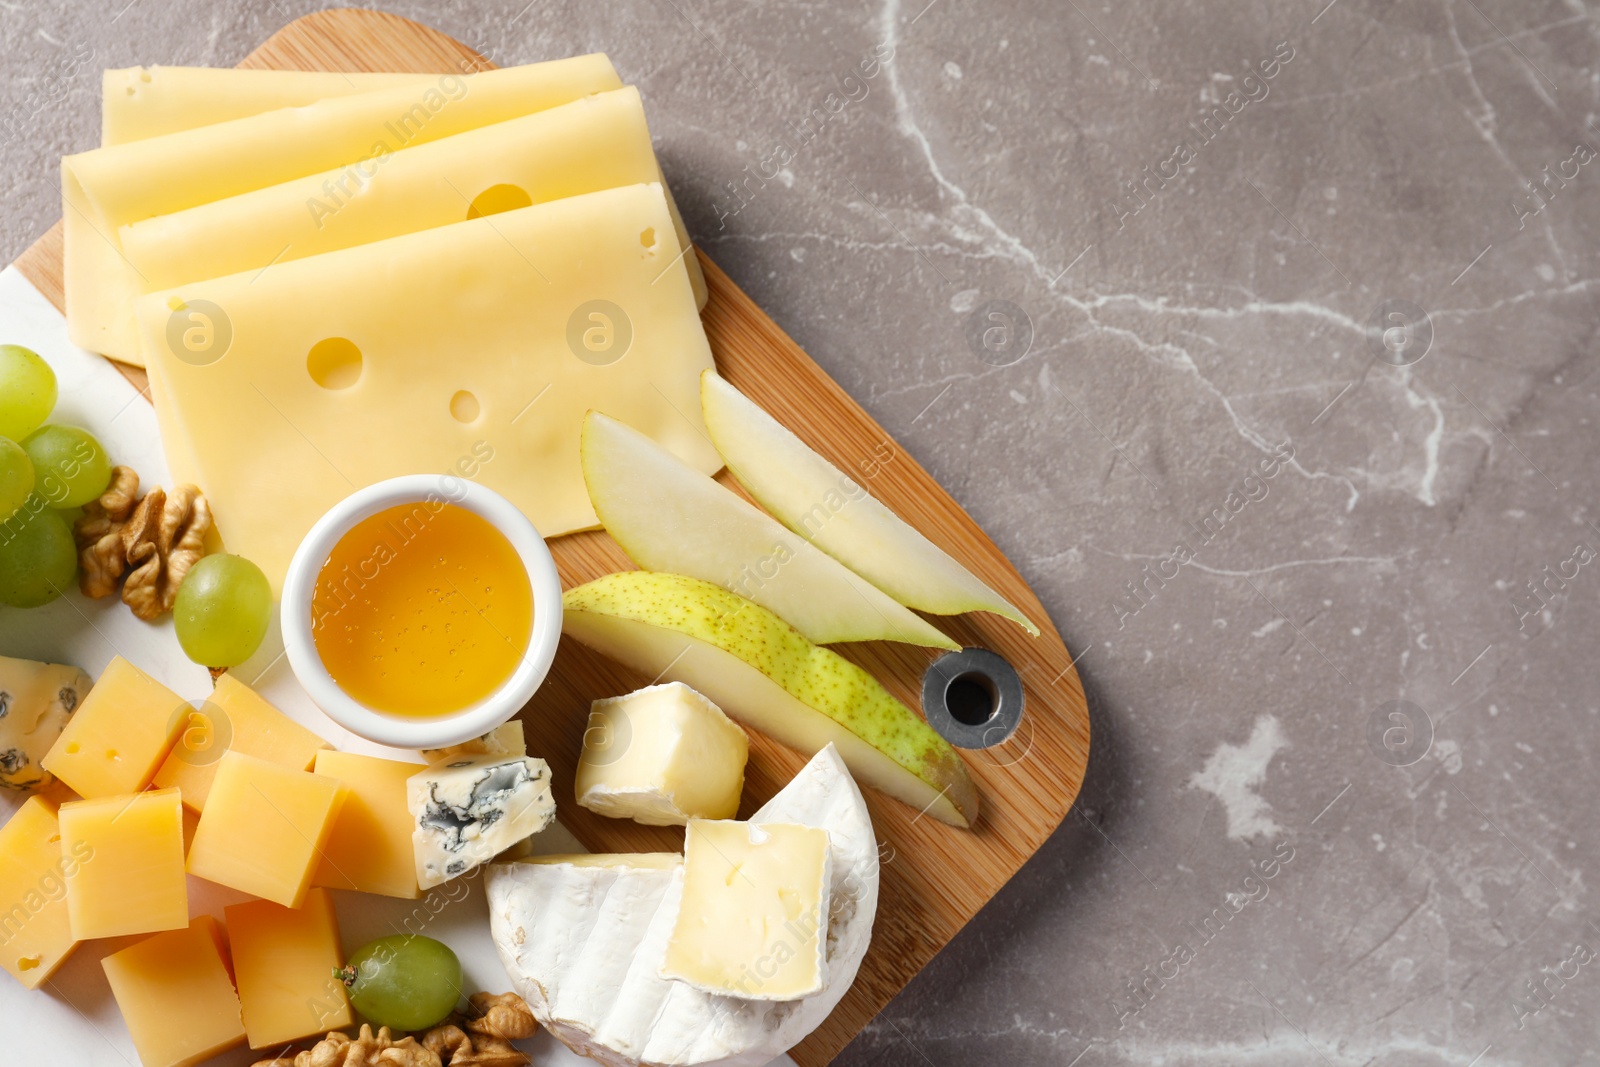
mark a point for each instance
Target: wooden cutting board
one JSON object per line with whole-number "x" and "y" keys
{"x": 935, "y": 878}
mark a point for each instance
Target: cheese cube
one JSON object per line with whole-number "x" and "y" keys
{"x": 753, "y": 921}
{"x": 504, "y": 740}
{"x": 119, "y": 735}
{"x": 234, "y": 719}
{"x": 370, "y": 846}
{"x": 130, "y": 876}
{"x": 466, "y": 811}
{"x": 35, "y": 934}
{"x": 661, "y": 756}
{"x": 36, "y": 700}
{"x": 283, "y": 960}
{"x": 175, "y": 995}
{"x": 264, "y": 828}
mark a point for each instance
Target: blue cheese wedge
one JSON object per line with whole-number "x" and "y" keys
{"x": 470, "y": 809}
{"x": 36, "y": 700}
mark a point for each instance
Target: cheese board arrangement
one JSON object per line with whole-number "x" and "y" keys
{"x": 446, "y": 623}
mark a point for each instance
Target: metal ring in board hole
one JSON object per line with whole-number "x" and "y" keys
{"x": 973, "y": 698}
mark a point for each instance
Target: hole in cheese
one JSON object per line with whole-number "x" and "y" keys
{"x": 464, "y": 406}
{"x": 72, "y": 748}
{"x": 111, "y": 753}
{"x": 334, "y": 363}
{"x": 28, "y": 963}
{"x": 498, "y": 198}
{"x": 647, "y": 237}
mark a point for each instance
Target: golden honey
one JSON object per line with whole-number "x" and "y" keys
{"x": 422, "y": 609}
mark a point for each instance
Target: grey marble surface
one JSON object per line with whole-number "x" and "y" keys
{"x": 1264, "y": 866}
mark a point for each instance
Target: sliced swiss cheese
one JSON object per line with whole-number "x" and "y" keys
{"x": 599, "y": 142}
{"x": 109, "y": 188}
{"x": 469, "y": 338}
{"x": 141, "y": 102}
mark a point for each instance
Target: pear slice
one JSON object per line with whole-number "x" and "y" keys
{"x": 762, "y": 672}
{"x": 667, "y": 516}
{"x": 829, "y": 509}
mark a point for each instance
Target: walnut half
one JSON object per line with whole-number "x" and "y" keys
{"x": 366, "y": 1049}
{"x": 154, "y": 540}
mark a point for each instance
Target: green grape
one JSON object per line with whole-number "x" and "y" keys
{"x": 16, "y": 476}
{"x": 27, "y": 391}
{"x": 223, "y": 609}
{"x": 70, "y": 466}
{"x": 38, "y": 560}
{"x": 403, "y": 982}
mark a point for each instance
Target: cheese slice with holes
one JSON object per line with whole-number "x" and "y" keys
{"x": 141, "y": 102}
{"x": 108, "y": 188}
{"x": 494, "y": 321}
{"x": 599, "y": 142}
{"x": 584, "y": 942}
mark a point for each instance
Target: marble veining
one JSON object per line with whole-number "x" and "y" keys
{"x": 1369, "y": 671}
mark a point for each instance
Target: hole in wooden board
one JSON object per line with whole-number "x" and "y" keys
{"x": 498, "y": 198}
{"x": 334, "y": 363}
{"x": 971, "y": 698}
{"x": 464, "y": 407}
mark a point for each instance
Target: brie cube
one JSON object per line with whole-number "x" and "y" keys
{"x": 470, "y": 809}
{"x": 36, "y": 700}
{"x": 504, "y": 740}
{"x": 661, "y": 756}
{"x": 753, "y": 921}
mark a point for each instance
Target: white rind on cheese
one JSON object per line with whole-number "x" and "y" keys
{"x": 595, "y": 985}
{"x": 470, "y": 809}
{"x": 36, "y": 702}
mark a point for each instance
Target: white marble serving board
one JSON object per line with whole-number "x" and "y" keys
{"x": 73, "y": 1021}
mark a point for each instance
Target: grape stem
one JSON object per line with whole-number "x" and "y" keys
{"x": 346, "y": 975}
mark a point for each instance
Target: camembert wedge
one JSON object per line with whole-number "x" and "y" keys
{"x": 584, "y": 939}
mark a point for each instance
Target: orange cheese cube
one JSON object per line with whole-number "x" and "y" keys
{"x": 284, "y": 959}
{"x": 234, "y": 719}
{"x": 130, "y": 877}
{"x": 175, "y": 996}
{"x": 119, "y": 735}
{"x": 264, "y": 828}
{"x": 35, "y": 935}
{"x": 370, "y": 847}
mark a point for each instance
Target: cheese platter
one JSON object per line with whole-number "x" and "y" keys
{"x": 651, "y": 773}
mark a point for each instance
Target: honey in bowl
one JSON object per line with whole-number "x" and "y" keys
{"x": 423, "y": 609}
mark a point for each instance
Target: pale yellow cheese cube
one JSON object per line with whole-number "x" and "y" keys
{"x": 264, "y": 828}
{"x": 129, "y": 879}
{"x": 753, "y": 921}
{"x": 175, "y": 996}
{"x": 119, "y": 735}
{"x": 35, "y": 934}
{"x": 661, "y": 756}
{"x": 234, "y": 719}
{"x": 283, "y": 964}
{"x": 370, "y": 846}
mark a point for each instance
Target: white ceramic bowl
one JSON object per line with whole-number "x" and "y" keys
{"x": 400, "y": 731}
